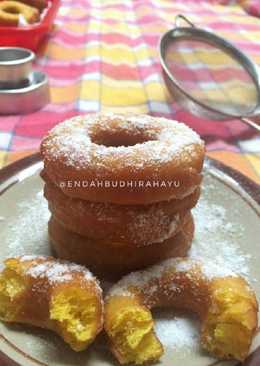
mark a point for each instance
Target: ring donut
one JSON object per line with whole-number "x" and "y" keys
{"x": 121, "y": 159}
{"x": 224, "y": 302}
{"x": 109, "y": 259}
{"x": 138, "y": 225}
{"x": 10, "y": 12}
{"x": 59, "y": 296}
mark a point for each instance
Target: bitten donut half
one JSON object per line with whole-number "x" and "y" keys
{"x": 52, "y": 294}
{"x": 224, "y": 302}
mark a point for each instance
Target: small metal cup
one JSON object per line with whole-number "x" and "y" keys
{"x": 28, "y": 99}
{"x": 15, "y": 66}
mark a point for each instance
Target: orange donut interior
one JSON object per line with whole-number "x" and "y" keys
{"x": 226, "y": 306}
{"x": 51, "y": 294}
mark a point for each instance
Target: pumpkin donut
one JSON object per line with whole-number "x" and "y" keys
{"x": 10, "y": 12}
{"x": 112, "y": 259}
{"x": 224, "y": 302}
{"x": 123, "y": 159}
{"x": 138, "y": 224}
{"x": 51, "y": 294}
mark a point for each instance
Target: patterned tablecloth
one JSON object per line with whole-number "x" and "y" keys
{"x": 103, "y": 55}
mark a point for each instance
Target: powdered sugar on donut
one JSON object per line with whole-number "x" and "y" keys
{"x": 141, "y": 279}
{"x": 160, "y": 226}
{"x": 71, "y": 140}
{"x": 54, "y": 271}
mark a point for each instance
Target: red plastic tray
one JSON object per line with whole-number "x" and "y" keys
{"x": 30, "y": 36}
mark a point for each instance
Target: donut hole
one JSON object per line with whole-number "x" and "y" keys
{"x": 120, "y": 138}
{"x": 11, "y": 9}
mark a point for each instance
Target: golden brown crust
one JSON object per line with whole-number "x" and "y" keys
{"x": 35, "y": 284}
{"x": 11, "y": 10}
{"x": 123, "y": 159}
{"x": 136, "y": 224}
{"x": 113, "y": 259}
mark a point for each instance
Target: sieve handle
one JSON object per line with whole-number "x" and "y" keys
{"x": 181, "y": 17}
{"x": 251, "y": 123}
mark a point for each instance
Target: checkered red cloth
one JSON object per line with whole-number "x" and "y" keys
{"x": 103, "y": 55}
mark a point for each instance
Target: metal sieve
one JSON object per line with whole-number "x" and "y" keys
{"x": 208, "y": 75}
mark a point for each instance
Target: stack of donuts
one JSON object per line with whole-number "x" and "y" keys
{"x": 120, "y": 189}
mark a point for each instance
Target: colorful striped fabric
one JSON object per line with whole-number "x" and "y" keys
{"x": 103, "y": 55}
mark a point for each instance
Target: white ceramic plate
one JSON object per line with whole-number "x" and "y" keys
{"x": 227, "y": 228}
